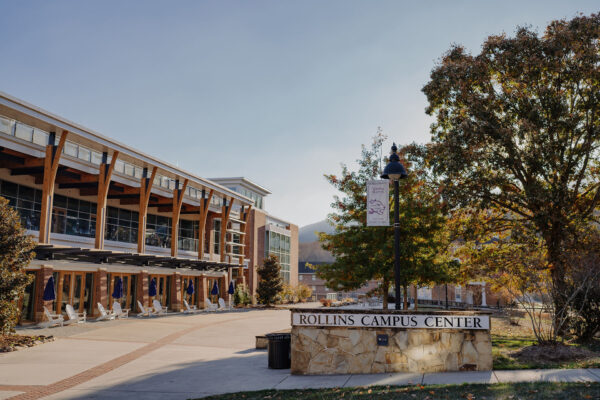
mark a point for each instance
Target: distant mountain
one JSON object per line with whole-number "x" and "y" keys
{"x": 307, "y": 233}
{"x": 314, "y": 253}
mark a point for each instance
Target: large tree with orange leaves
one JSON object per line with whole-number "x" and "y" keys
{"x": 518, "y": 129}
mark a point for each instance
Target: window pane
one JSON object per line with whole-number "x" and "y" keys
{"x": 129, "y": 169}
{"x": 71, "y": 149}
{"x": 96, "y": 158}
{"x": 40, "y": 137}
{"x": 85, "y": 154}
{"x": 24, "y": 132}
{"x": 6, "y": 126}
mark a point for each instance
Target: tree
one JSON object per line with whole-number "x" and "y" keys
{"x": 515, "y": 263}
{"x": 270, "y": 283}
{"x": 15, "y": 254}
{"x": 518, "y": 128}
{"x": 366, "y": 253}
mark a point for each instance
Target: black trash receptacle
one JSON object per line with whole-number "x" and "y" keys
{"x": 279, "y": 350}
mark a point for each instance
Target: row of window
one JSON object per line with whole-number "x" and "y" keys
{"x": 34, "y": 135}
{"x": 258, "y": 199}
{"x": 78, "y": 217}
{"x": 278, "y": 245}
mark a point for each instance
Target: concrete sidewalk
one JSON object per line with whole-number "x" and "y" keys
{"x": 192, "y": 356}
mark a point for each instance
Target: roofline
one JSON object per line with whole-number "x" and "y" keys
{"x": 86, "y": 133}
{"x": 242, "y": 179}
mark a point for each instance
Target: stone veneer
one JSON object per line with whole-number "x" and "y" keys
{"x": 341, "y": 350}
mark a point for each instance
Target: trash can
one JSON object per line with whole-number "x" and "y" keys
{"x": 279, "y": 350}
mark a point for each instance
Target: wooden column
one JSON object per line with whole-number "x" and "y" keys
{"x": 204, "y": 204}
{"x": 244, "y": 216}
{"x": 177, "y": 202}
{"x": 225, "y": 211}
{"x": 53, "y": 153}
{"x": 104, "y": 177}
{"x": 145, "y": 191}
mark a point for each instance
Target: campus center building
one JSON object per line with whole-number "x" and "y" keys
{"x": 105, "y": 215}
{"x": 266, "y": 234}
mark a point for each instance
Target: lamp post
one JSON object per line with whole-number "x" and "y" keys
{"x": 395, "y": 171}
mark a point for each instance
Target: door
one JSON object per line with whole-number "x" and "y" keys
{"x": 74, "y": 288}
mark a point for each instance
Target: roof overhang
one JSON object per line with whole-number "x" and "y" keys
{"x": 42, "y": 119}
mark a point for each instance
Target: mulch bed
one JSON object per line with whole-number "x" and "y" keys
{"x": 16, "y": 342}
{"x": 553, "y": 353}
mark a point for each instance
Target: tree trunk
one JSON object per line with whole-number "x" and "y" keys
{"x": 405, "y": 305}
{"x": 385, "y": 287}
{"x": 416, "y": 298}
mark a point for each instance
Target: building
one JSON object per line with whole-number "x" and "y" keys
{"x": 265, "y": 234}
{"x": 106, "y": 214}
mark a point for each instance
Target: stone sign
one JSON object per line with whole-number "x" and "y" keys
{"x": 379, "y": 320}
{"x": 344, "y": 341}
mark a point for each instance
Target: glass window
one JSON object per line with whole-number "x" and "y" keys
{"x": 6, "y": 126}
{"x": 120, "y": 166}
{"x": 85, "y": 154}
{"x": 40, "y": 137}
{"x": 96, "y": 158}
{"x": 24, "y": 132}
{"x": 70, "y": 149}
{"x": 129, "y": 170}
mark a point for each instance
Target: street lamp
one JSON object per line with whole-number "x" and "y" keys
{"x": 395, "y": 171}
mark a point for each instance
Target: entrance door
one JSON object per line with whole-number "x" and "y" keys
{"x": 129, "y": 290}
{"x": 163, "y": 282}
{"x": 74, "y": 288}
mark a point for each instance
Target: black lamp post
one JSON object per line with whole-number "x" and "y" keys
{"x": 395, "y": 171}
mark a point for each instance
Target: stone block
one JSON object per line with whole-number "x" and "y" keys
{"x": 468, "y": 354}
{"x": 401, "y": 340}
{"x": 261, "y": 342}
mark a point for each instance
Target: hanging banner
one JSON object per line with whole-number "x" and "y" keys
{"x": 378, "y": 203}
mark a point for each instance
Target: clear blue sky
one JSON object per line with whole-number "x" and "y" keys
{"x": 278, "y": 91}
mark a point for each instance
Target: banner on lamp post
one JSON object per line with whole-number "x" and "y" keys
{"x": 378, "y": 203}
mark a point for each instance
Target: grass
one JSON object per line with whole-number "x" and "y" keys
{"x": 522, "y": 391}
{"x": 507, "y": 339}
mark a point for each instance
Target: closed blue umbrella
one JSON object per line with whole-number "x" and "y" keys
{"x": 231, "y": 288}
{"x": 190, "y": 288}
{"x": 118, "y": 290}
{"x": 49, "y": 293}
{"x": 152, "y": 289}
{"x": 215, "y": 289}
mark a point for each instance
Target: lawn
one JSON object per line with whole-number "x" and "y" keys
{"x": 522, "y": 391}
{"x": 508, "y": 339}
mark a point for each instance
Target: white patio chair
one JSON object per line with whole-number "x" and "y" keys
{"x": 223, "y": 305}
{"x": 74, "y": 317}
{"x": 53, "y": 319}
{"x": 144, "y": 312}
{"x": 209, "y": 306}
{"x": 119, "y": 312}
{"x": 158, "y": 308}
{"x": 105, "y": 315}
{"x": 189, "y": 309}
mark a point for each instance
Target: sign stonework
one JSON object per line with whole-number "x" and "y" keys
{"x": 378, "y": 203}
{"x": 327, "y": 341}
{"x": 378, "y": 320}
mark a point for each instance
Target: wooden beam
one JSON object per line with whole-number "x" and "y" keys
{"x": 106, "y": 171}
{"x": 178, "y": 195}
{"x": 145, "y": 190}
{"x": 53, "y": 153}
{"x": 225, "y": 211}
{"x": 204, "y": 204}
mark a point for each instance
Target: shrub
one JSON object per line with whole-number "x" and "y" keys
{"x": 326, "y": 302}
{"x": 303, "y": 292}
{"x": 242, "y": 296}
{"x": 15, "y": 254}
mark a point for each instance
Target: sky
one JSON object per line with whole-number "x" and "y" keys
{"x": 280, "y": 92}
